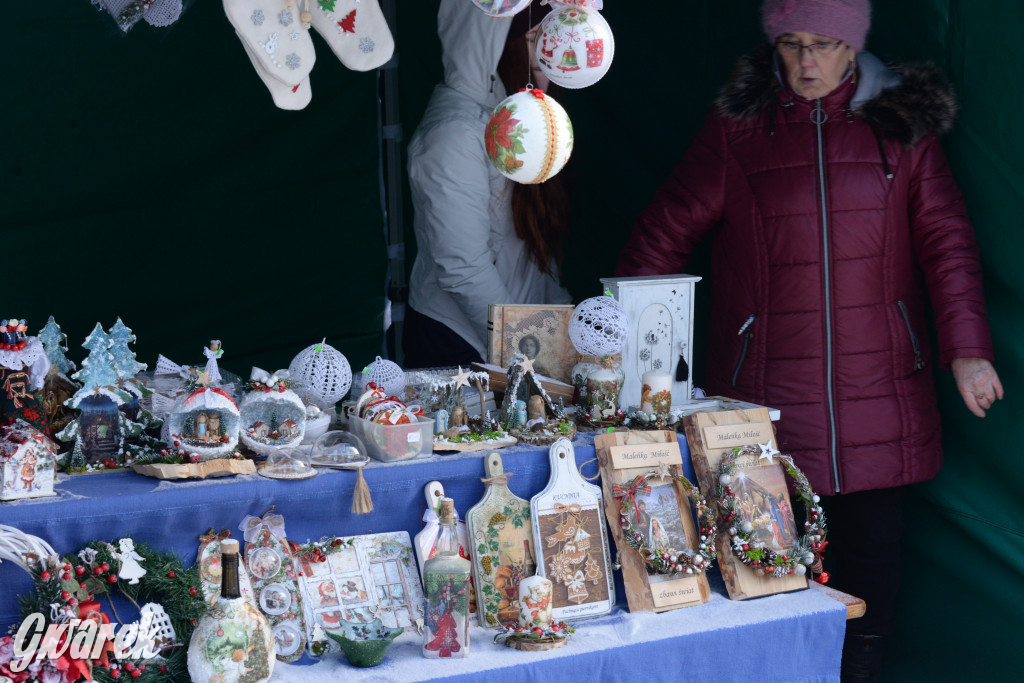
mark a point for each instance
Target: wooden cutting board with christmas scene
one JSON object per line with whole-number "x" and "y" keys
{"x": 425, "y": 542}
{"x": 500, "y": 535}
{"x": 274, "y": 577}
{"x": 208, "y": 563}
{"x": 572, "y": 545}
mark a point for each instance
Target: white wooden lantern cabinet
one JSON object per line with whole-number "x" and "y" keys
{"x": 660, "y": 311}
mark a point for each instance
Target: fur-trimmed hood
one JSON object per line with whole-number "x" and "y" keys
{"x": 905, "y": 103}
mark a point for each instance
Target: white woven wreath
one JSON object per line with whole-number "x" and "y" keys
{"x": 322, "y": 373}
{"x": 598, "y": 326}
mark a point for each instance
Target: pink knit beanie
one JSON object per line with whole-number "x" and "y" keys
{"x": 847, "y": 20}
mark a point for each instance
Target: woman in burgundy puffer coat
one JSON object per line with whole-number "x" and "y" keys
{"x": 833, "y": 214}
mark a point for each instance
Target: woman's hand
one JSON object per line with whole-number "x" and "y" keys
{"x": 978, "y": 383}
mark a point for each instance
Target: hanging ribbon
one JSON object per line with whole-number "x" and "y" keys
{"x": 575, "y": 509}
{"x": 498, "y": 479}
{"x": 637, "y": 485}
{"x": 212, "y": 535}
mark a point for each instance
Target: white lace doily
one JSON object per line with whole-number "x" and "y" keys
{"x": 323, "y": 374}
{"x": 33, "y": 357}
{"x": 387, "y": 375}
{"x": 598, "y": 326}
{"x": 127, "y": 13}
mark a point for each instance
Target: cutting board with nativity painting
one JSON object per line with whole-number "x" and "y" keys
{"x": 500, "y": 536}
{"x": 275, "y": 581}
{"x": 572, "y": 545}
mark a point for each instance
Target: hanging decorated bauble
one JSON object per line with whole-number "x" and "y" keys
{"x": 598, "y": 326}
{"x": 321, "y": 374}
{"x": 575, "y": 46}
{"x": 529, "y": 137}
{"x": 501, "y": 8}
{"x": 387, "y": 375}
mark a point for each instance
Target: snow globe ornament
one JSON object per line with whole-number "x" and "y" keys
{"x": 322, "y": 374}
{"x": 387, "y": 375}
{"x": 287, "y": 463}
{"x": 343, "y": 450}
{"x": 575, "y": 46}
{"x": 272, "y": 415}
{"x": 598, "y": 329}
{"x": 205, "y": 424}
{"x": 529, "y": 137}
{"x": 501, "y": 8}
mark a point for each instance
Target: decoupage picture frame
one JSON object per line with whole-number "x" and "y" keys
{"x": 359, "y": 579}
{"x": 758, "y": 483}
{"x": 539, "y": 332}
{"x": 659, "y": 509}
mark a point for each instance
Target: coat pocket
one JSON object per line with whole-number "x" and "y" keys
{"x": 915, "y": 343}
{"x": 747, "y": 331}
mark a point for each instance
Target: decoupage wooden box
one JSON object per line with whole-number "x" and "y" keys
{"x": 660, "y": 310}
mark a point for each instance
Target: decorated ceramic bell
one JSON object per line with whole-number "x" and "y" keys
{"x": 575, "y": 46}
{"x": 529, "y": 137}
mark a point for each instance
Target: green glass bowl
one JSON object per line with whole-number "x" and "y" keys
{"x": 365, "y": 645}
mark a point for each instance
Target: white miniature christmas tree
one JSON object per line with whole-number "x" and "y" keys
{"x": 124, "y": 362}
{"x": 56, "y": 344}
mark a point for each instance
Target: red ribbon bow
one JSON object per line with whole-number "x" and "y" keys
{"x": 631, "y": 489}
{"x": 212, "y": 535}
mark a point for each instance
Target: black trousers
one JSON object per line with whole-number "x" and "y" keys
{"x": 428, "y": 343}
{"x": 865, "y": 532}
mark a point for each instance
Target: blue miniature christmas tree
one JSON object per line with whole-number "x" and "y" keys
{"x": 56, "y": 343}
{"x": 124, "y": 362}
{"x": 97, "y": 368}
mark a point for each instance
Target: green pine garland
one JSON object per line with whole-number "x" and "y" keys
{"x": 166, "y": 582}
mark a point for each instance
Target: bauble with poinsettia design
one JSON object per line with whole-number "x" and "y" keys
{"x": 529, "y": 137}
{"x": 575, "y": 46}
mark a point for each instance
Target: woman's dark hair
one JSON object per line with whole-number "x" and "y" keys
{"x": 540, "y": 212}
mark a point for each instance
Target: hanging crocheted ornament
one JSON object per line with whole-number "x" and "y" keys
{"x": 598, "y": 326}
{"x": 322, "y": 374}
{"x": 575, "y": 47}
{"x": 529, "y": 137}
{"x": 501, "y": 8}
{"x": 387, "y": 375}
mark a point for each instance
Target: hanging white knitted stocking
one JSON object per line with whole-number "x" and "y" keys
{"x": 274, "y": 36}
{"x": 291, "y": 97}
{"x": 356, "y": 30}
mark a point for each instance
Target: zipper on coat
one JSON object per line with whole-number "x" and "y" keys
{"x": 748, "y": 327}
{"x": 818, "y": 117}
{"x": 918, "y": 359}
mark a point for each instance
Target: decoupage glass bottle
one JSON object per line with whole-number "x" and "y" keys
{"x": 446, "y": 579}
{"x": 232, "y": 642}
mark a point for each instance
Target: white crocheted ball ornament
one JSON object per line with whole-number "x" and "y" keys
{"x": 598, "y": 326}
{"x": 501, "y": 8}
{"x": 529, "y": 137}
{"x": 387, "y": 375}
{"x": 575, "y": 47}
{"x": 322, "y": 373}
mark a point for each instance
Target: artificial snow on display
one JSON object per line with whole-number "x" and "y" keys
{"x": 322, "y": 374}
{"x": 598, "y": 326}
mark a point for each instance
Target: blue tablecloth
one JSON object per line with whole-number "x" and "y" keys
{"x": 793, "y": 637}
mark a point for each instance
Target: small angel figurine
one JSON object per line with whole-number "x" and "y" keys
{"x": 212, "y": 353}
{"x": 130, "y": 567}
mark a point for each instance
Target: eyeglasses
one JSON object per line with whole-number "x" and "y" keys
{"x": 792, "y": 49}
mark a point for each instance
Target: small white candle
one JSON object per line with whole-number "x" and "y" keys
{"x": 654, "y": 382}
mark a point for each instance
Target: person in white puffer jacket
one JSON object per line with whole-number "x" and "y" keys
{"x": 468, "y": 252}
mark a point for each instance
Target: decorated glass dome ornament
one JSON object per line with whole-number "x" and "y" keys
{"x": 272, "y": 415}
{"x": 321, "y": 374}
{"x": 501, "y": 8}
{"x": 597, "y": 329}
{"x": 387, "y": 375}
{"x": 205, "y": 424}
{"x": 575, "y": 45}
{"x": 529, "y": 137}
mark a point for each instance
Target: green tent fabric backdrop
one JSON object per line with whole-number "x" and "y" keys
{"x": 150, "y": 177}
